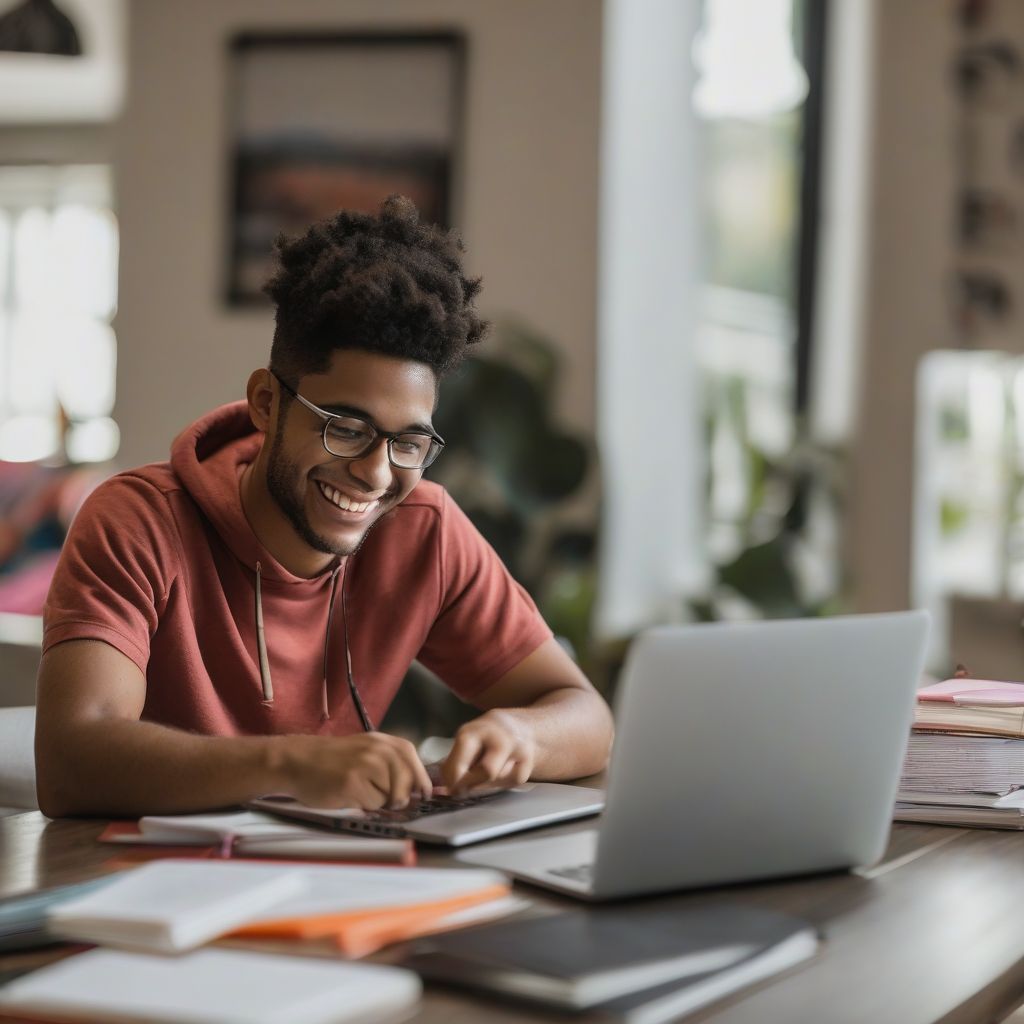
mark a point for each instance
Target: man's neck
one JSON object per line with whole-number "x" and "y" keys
{"x": 273, "y": 530}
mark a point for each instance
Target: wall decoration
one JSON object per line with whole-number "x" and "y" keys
{"x": 327, "y": 122}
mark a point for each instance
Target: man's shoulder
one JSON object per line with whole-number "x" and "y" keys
{"x": 433, "y": 506}
{"x": 134, "y": 492}
{"x": 130, "y": 518}
{"x": 427, "y": 495}
{"x": 428, "y": 511}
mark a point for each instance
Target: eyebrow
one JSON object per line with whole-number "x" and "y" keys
{"x": 337, "y": 409}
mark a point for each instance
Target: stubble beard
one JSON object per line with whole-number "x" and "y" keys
{"x": 285, "y": 485}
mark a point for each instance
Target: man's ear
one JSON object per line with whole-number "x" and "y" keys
{"x": 261, "y": 393}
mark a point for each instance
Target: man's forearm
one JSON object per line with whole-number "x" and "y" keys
{"x": 123, "y": 767}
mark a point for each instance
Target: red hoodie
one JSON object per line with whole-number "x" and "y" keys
{"x": 161, "y": 563}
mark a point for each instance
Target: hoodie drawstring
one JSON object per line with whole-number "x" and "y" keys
{"x": 364, "y": 718}
{"x": 325, "y": 711}
{"x": 261, "y": 644}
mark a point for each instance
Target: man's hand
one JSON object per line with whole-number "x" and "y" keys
{"x": 541, "y": 720}
{"x": 496, "y": 750}
{"x": 94, "y": 754}
{"x": 369, "y": 771}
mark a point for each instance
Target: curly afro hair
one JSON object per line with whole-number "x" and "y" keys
{"x": 386, "y": 284}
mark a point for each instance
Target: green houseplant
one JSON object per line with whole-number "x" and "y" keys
{"x": 515, "y": 472}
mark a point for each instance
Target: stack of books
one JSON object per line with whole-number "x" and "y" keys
{"x": 965, "y": 762}
{"x": 176, "y": 906}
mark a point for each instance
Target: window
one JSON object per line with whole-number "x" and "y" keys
{"x": 58, "y": 295}
{"x": 969, "y": 490}
{"x": 757, "y": 94}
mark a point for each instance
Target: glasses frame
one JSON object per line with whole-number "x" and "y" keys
{"x": 378, "y": 434}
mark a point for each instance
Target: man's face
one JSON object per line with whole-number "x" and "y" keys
{"x": 328, "y": 501}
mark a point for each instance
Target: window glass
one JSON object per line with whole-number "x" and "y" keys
{"x": 58, "y": 294}
{"x": 750, "y": 96}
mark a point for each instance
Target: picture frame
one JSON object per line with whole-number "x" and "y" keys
{"x": 326, "y": 121}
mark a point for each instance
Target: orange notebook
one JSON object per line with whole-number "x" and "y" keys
{"x": 359, "y": 933}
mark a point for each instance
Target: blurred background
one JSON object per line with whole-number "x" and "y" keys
{"x": 754, "y": 268}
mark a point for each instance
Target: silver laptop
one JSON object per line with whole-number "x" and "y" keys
{"x": 743, "y": 751}
{"x": 452, "y": 821}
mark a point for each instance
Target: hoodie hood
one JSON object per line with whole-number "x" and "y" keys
{"x": 209, "y": 458}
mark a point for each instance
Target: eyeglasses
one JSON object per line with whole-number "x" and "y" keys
{"x": 351, "y": 437}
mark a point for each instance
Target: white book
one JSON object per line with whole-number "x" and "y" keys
{"x": 977, "y": 817}
{"x": 212, "y": 986}
{"x": 170, "y": 906}
{"x": 252, "y": 834}
{"x": 1007, "y": 801}
{"x": 201, "y": 829}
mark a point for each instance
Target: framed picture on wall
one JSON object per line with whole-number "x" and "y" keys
{"x": 321, "y": 123}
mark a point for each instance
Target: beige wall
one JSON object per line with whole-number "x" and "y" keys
{"x": 56, "y": 144}
{"x": 528, "y": 205}
{"x": 907, "y": 310}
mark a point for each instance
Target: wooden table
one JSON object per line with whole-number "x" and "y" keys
{"x": 933, "y": 933}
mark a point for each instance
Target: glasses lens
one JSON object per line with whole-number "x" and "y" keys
{"x": 413, "y": 451}
{"x": 348, "y": 437}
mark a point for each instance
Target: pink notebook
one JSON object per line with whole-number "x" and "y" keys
{"x": 978, "y": 692}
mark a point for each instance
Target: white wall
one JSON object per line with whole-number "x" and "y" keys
{"x": 37, "y": 89}
{"x": 528, "y": 208}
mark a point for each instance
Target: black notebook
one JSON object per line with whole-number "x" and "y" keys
{"x": 641, "y": 964}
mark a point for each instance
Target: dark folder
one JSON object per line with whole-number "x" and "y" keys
{"x": 620, "y": 959}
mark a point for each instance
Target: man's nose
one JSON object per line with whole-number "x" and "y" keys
{"x": 374, "y": 468}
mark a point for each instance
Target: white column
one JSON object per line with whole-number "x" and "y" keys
{"x": 649, "y": 420}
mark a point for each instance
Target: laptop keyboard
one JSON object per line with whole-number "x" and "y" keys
{"x": 421, "y": 808}
{"x": 575, "y": 872}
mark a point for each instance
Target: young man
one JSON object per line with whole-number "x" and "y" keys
{"x": 236, "y": 622}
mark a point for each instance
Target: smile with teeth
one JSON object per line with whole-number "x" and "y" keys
{"x": 344, "y": 502}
